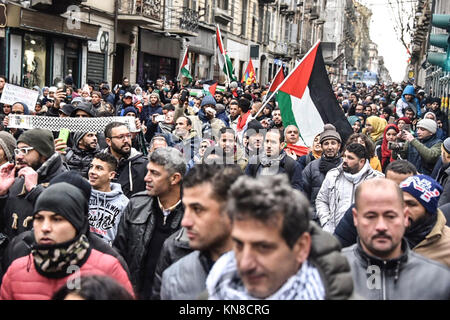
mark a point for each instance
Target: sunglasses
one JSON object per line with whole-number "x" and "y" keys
{"x": 23, "y": 150}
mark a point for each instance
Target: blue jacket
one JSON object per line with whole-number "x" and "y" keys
{"x": 410, "y": 90}
{"x": 346, "y": 231}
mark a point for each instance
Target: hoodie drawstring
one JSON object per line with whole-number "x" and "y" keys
{"x": 397, "y": 271}
{"x": 129, "y": 176}
{"x": 15, "y": 218}
{"x": 27, "y": 219}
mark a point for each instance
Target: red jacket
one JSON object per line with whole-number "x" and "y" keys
{"x": 22, "y": 284}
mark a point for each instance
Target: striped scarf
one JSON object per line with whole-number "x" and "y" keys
{"x": 223, "y": 283}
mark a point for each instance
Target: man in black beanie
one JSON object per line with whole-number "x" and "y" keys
{"x": 36, "y": 164}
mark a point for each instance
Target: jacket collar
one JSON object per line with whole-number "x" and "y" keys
{"x": 436, "y": 232}
{"x": 368, "y": 260}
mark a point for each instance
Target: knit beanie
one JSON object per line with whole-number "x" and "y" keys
{"x": 75, "y": 179}
{"x": 329, "y": 132}
{"x": 130, "y": 109}
{"x": 446, "y": 145}
{"x": 208, "y": 100}
{"x": 67, "y": 201}
{"x": 40, "y": 139}
{"x": 8, "y": 144}
{"x": 427, "y": 124}
{"x": 425, "y": 189}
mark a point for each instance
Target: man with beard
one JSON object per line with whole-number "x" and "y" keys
{"x": 314, "y": 172}
{"x": 254, "y": 139}
{"x": 79, "y": 157}
{"x": 383, "y": 267}
{"x": 231, "y": 151}
{"x": 188, "y": 140}
{"x": 277, "y": 121}
{"x": 151, "y": 217}
{"x": 131, "y": 163}
{"x": 337, "y": 191}
{"x": 36, "y": 164}
{"x": 275, "y": 161}
{"x": 427, "y": 233}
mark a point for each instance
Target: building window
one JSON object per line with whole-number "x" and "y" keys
{"x": 222, "y": 4}
{"x": 244, "y": 17}
{"x": 34, "y": 58}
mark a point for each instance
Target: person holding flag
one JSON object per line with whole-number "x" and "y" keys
{"x": 184, "y": 68}
{"x": 249, "y": 75}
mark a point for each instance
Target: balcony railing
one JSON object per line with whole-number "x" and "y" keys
{"x": 151, "y": 9}
{"x": 181, "y": 20}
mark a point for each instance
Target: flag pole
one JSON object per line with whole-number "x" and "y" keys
{"x": 281, "y": 84}
{"x": 181, "y": 62}
{"x": 279, "y": 70}
{"x": 224, "y": 57}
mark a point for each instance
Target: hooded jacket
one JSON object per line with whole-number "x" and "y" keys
{"x": 78, "y": 159}
{"x": 402, "y": 104}
{"x": 408, "y": 277}
{"x": 131, "y": 172}
{"x": 337, "y": 194}
{"x": 105, "y": 211}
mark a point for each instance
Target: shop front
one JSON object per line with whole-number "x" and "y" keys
{"x": 158, "y": 56}
{"x": 42, "y": 51}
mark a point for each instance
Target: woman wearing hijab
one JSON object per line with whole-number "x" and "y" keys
{"x": 355, "y": 122}
{"x": 374, "y": 128}
{"x": 384, "y": 153}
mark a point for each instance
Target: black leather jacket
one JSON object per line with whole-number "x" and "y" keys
{"x": 135, "y": 231}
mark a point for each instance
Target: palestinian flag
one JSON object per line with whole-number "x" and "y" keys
{"x": 249, "y": 75}
{"x": 223, "y": 58}
{"x": 279, "y": 77}
{"x": 306, "y": 99}
{"x": 184, "y": 67}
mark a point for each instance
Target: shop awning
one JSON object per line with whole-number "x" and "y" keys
{"x": 28, "y": 19}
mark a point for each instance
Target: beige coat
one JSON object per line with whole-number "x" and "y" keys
{"x": 436, "y": 245}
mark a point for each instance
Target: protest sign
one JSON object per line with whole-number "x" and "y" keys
{"x": 12, "y": 94}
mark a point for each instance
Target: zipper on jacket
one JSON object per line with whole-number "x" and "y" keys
{"x": 383, "y": 277}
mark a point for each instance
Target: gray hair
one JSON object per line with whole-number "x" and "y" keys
{"x": 270, "y": 199}
{"x": 170, "y": 158}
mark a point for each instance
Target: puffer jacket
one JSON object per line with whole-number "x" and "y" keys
{"x": 408, "y": 277}
{"x": 174, "y": 248}
{"x": 312, "y": 180}
{"x": 176, "y": 286}
{"x": 136, "y": 228}
{"x": 337, "y": 194}
{"x": 130, "y": 172}
{"x": 23, "y": 282}
{"x": 20, "y": 246}
{"x": 17, "y": 206}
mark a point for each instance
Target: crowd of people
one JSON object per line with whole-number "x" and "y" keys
{"x": 212, "y": 196}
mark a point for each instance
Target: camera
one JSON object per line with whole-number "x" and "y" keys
{"x": 396, "y": 146}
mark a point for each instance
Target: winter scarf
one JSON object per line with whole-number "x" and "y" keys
{"x": 386, "y": 154}
{"x": 355, "y": 178}
{"x": 223, "y": 283}
{"x": 418, "y": 230}
{"x": 326, "y": 164}
{"x": 53, "y": 261}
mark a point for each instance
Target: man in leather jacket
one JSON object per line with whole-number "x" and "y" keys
{"x": 383, "y": 266}
{"x": 151, "y": 217}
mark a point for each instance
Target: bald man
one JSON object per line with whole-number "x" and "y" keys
{"x": 383, "y": 266}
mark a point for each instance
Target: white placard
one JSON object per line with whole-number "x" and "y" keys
{"x": 12, "y": 94}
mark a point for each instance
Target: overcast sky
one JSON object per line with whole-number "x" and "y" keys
{"x": 383, "y": 34}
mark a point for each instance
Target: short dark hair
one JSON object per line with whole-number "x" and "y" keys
{"x": 221, "y": 177}
{"x": 108, "y": 158}
{"x": 189, "y": 121}
{"x": 244, "y": 104}
{"x": 251, "y": 198}
{"x": 112, "y": 125}
{"x": 226, "y": 130}
{"x": 401, "y": 167}
{"x": 358, "y": 149}
{"x": 276, "y": 131}
{"x": 4, "y": 78}
{"x": 370, "y": 146}
{"x": 95, "y": 287}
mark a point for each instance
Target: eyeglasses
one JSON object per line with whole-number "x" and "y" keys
{"x": 23, "y": 150}
{"x": 123, "y": 136}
